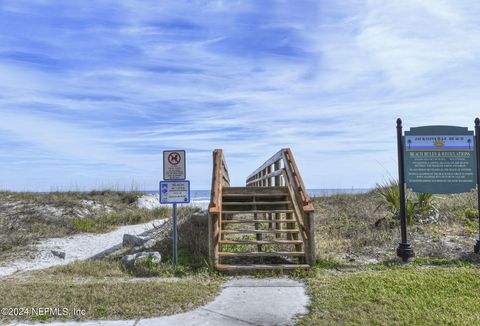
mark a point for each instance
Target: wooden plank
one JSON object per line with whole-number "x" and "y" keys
{"x": 249, "y": 195}
{"x": 258, "y": 211}
{"x": 224, "y": 267}
{"x": 254, "y": 221}
{"x": 277, "y": 167}
{"x": 251, "y": 203}
{"x": 273, "y": 174}
{"x": 255, "y": 190}
{"x": 310, "y": 248}
{"x": 262, "y": 254}
{"x": 255, "y": 242}
{"x": 298, "y": 178}
{"x": 273, "y": 231}
{"x": 277, "y": 156}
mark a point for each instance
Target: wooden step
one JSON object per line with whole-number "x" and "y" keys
{"x": 261, "y": 195}
{"x": 259, "y": 231}
{"x": 254, "y": 211}
{"x": 262, "y": 254}
{"x": 256, "y": 221}
{"x": 251, "y": 203}
{"x": 259, "y": 242}
{"x": 251, "y": 191}
{"x": 224, "y": 267}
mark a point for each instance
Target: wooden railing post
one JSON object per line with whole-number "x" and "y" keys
{"x": 310, "y": 226}
{"x": 277, "y": 167}
{"x": 220, "y": 179}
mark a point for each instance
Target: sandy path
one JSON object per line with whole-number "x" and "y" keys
{"x": 81, "y": 246}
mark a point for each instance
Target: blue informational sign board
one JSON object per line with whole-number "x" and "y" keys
{"x": 175, "y": 192}
{"x": 440, "y": 159}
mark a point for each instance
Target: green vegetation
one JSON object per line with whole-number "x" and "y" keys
{"x": 107, "y": 298}
{"x": 105, "y": 291}
{"x": 357, "y": 278}
{"x": 399, "y": 296}
{"x": 108, "y": 221}
{"x": 417, "y": 204}
{"x": 361, "y": 229}
{"x": 29, "y": 217}
{"x": 471, "y": 220}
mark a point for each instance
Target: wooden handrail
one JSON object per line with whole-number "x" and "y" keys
{"x": 276, "y": 157}
{"x": 263, "y": 175}
{"x": 220, "y": 179}
{"x": 283, "y": 169}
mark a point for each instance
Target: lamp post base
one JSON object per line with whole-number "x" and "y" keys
{"x": 405, "y": 251}
{"x": 476, "y": 248}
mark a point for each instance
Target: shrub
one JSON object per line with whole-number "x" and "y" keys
{"x": 416, "y": 205}
{"x": 470, "y": 216}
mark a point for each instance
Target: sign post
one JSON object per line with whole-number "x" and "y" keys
{"x": 436, "y": 160}
{"x": 404, "y": 249}
{"x": 174, "y": 189}
{"x": 476, "y": 248}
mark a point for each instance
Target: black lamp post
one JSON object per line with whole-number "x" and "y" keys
{"x": 404, "y": 249}
{"x": 476, "y": 248}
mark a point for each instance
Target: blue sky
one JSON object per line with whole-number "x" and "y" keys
{"x": 93, "y": 92}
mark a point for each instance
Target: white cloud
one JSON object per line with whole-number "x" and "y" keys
{"x": 326, "y": 79}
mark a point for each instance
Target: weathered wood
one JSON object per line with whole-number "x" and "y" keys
{"x": 220, "y": 181}
{"x": 277, "y": 168}
{"x": 267, "y": 231}
{"x": 252, "y": 203}
{"x": 276, "y": 197}
{"x": 224, "y": 267}
{"x": 290, "y": 225}
{"x": 257, "y": 211}
{"x": 253, "y": 221}
{"x": 310, "y": 253}
{"x": 262, "y": 254}
{"x": 298, "y": 180}
{"x": 270, "y": 161}
{"x": 273, "y": 174}
{"x": 301, "y": 203}
{"x": 213, "y": 244}
{"x": 255, "y": 191}
{"x": 265, "y": 242}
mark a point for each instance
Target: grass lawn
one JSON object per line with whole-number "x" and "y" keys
{"x": 104, "y": 291}
{"x": 402, "y": 296}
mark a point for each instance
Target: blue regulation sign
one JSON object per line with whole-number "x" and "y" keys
{"x": 175, "y": 192}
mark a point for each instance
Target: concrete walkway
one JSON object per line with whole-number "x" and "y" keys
{"x": 243, "y": 301}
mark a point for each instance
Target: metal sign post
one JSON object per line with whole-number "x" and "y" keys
{"x": 175, "y": 192}
{"x": 476, "y": 248}
{"x": 404, "y": 250}
{"x": 174, "y": 189}
{"x": 175, "y": 236}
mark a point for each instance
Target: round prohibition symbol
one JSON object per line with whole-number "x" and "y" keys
{"x": 174, "y": 158}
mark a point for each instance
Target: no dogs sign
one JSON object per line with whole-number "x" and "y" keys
{"x": 174, "y": 166}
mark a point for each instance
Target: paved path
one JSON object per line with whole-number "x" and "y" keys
{"x": 243, "y": 301}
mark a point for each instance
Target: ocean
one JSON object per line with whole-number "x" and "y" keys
{"x": 201, "y": 198}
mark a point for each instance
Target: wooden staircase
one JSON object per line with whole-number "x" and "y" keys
{"x": 263, "y": 226}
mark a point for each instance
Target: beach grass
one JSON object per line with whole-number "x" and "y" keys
{"x": 28, "y": 217}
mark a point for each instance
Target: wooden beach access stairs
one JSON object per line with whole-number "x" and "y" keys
{"x": 266, "y": 225}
